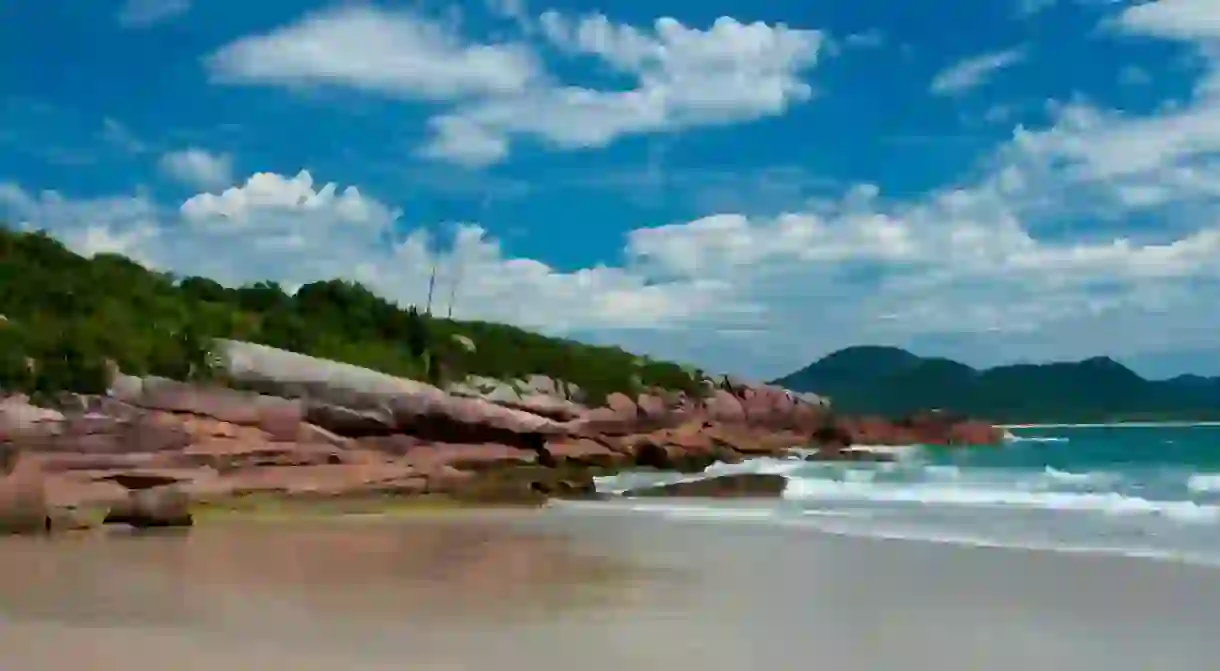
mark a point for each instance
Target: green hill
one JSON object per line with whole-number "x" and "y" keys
{"x": 64, "y": 315}
{"x": 892, "y": 381}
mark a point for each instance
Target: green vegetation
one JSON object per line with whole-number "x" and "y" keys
{"x": 893, "y": 382}
{"x": 65, "y": 315}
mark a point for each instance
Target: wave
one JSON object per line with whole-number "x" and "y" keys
{"x": 815, "y": 490}
{"x": 1010, "y": 437}
{"x": 941, "y": 485}
{"x": 1204, "y": 483}
{"x": 858, "y": 524}
{"x": 1104, "y": 494}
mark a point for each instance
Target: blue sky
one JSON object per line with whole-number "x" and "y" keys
{"x": 743, "y": 185}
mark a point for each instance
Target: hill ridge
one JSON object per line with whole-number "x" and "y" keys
{"x": 893, "y": 381}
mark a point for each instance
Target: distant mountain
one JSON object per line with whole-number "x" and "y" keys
{"x": 893, "y": 381}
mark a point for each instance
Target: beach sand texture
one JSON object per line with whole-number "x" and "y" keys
{"x": 572, "y": 587}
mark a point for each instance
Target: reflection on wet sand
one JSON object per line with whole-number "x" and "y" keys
{"x": 468, "y": 567}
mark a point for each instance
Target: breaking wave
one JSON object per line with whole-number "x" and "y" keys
{"x": 1037, "y": 492}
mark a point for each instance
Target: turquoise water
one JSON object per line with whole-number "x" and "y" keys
{"x": 1141, "y": 491}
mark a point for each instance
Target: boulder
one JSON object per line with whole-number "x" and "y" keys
{"x": 739, "y": 485}
{"x": 604, "y": 422}
{"x": 326, "y": 480}
{"x": 163, "y": 506}
{"x": 575, "y": 451}
{"x": 723, "y": 406}
{"x": 444, "y": 418}
{"x": 20, "y": 420}
{"x": 225, "y": 454}
{"x": 349, "y": 422}
{"x": 469, "y": 457}
{"x": 396, "y": 445}
{"x": 283, "y": 373}
{"x": 277, "y": 416}
{"x": 688, "y": 448}
{"x": 653, "y": 409}
{"x": 66, "y": 462}
{"x": 622, "y": 406}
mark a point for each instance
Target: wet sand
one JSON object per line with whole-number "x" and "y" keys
{"x": 599, "y": 590}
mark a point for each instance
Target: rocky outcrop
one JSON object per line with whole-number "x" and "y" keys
{"x": 305, "y": 427}
{"x": 930, "y": 428}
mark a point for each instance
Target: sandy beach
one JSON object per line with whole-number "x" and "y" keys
{"x": 594, "y": 587}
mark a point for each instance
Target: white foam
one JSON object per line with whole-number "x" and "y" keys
{"x": 1013, "y": 438}
{"x": 1111, "y": 503}
{"x": 1204, "y": 483}
{"x": 859, "y": 475}
{"x": 765, "y": 465}
{"x": 1056, "y": 477}
{"x": 943, "y": 472}
{"x": 617, "y": 484}
{"x": 896, "y": 451}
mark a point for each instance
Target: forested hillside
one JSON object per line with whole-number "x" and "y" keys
{"x": 64, "y": 315}
{"x": 891, "y": 381}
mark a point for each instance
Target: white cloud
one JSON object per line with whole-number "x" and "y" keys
{"x": 957, "y": 262}
{"x": 683, "y": 76}
{"x": 144, "y": 13}
{"x": 396, "y": 53}
{"x": 981, "y": 263}
{"x": 295, "y": 231}
{"x": 686, "y": 77}
{"x": 973, "y": 72}
{"x": 198, "y": 168}
{"x": 1190, "y": 20}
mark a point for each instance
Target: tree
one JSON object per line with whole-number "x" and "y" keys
{"x": 69, "y": 315}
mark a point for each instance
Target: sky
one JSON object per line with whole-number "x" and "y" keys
{"x": 742, "y": 185}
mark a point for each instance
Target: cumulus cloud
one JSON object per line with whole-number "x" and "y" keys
{"x": 975, "y": 263}
{"x": 975, "y": 71}
{"x": 728, "y": 73}
{"x": 198, "y": 168}
{"x": 959, "y": 262}
{"x": 397, "y": 53}
{"x": 295, "y": 230}
{"x": 683, "y": 76}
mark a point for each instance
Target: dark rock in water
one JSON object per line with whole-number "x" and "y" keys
{"x": 740, "y": 485}
{"x": 165, "y": 506}
{"x": 871, "y": 456}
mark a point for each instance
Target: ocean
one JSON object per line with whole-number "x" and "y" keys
{"x": 1139, "y": 491}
